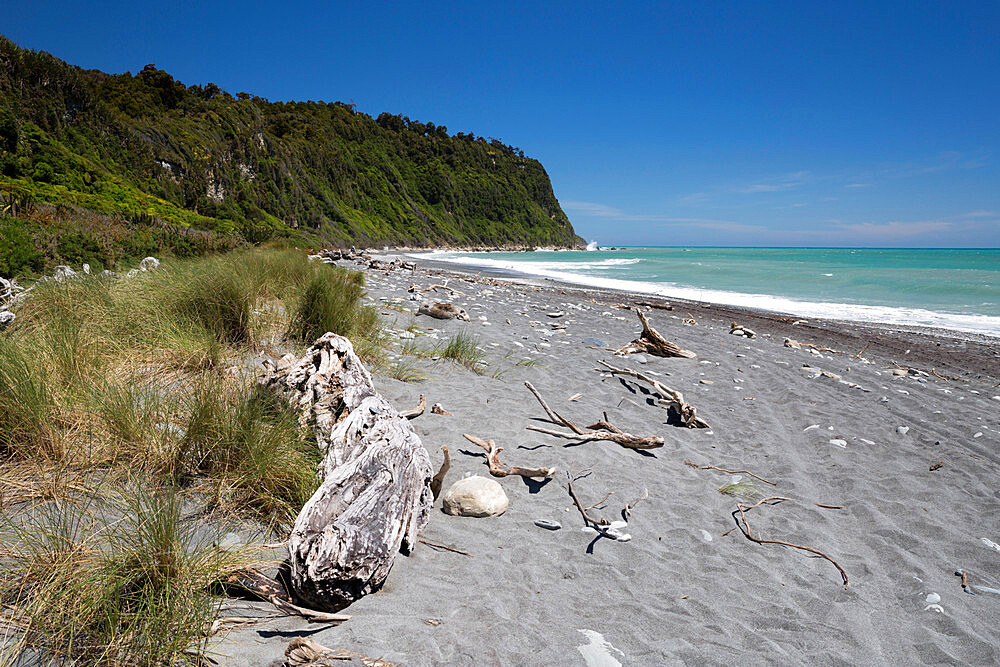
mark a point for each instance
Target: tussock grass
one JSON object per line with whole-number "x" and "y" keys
{"x": 405, "y": 371}
{"x": 463, "y": 349}
{"x": 125, "y": 582}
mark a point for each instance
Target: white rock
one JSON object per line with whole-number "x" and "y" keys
{"x": 149, "y": 263}
{"x": 6, "y": 318}
{"x": 475, "y": 496}
{"x": 61, "y": 273}
{"x": 902, "y": 430}
{"x": 839, "y": 442}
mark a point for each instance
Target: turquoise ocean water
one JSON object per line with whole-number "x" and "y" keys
{"x": 954, "y": 289}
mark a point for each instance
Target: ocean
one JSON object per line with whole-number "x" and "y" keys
{"x": 952, "y": 289}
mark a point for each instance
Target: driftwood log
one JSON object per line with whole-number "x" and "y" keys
{"x": 669, "y": 398}
{"x": 375, "y": 494}
{"x": 442, "y": 311}
{"x": 651, "y": 342}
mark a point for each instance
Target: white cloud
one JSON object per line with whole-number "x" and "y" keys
{"x": 858, "y": 185}
{"x": 981, "y": 214}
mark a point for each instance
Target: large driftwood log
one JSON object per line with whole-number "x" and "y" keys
{"x": 375, "y": 494}
{"x": 669, "y": 398}
{"x": 651, "y": 342}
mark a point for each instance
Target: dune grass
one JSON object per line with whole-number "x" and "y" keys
{"x": 463, "y": 348}
{"x": 148, "y": 383}
{"x": 121, "y": 582}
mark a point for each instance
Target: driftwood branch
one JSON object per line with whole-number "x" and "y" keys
{"x": 627, "y": 512}
{"x": 600, "y": 523}
{"x": 419, "y": 290}
{"x": 600, "y": 431}
{"x": 438, "y": 478}
{"x": 670, "y": 398}
{"x": 437, "y": 409}
{"x": 743, "y": 509}
{"x": 498, "y": 469}
{"x": 413, "y": 413}
{"x": 310, "y": 615}
{"x": 731, "y": 472}
{"x": 651, "y": 342}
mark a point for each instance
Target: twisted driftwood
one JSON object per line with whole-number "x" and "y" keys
{"x": 670, "y": 398}
{"x": 375, "y": 494}
{"x": 651, "y": 342}
{"x": 498, "y": 469}
{"x": 602, "y": 430}
{"x": 415, "y": 412}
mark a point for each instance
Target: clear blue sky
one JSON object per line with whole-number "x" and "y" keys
{"x": 778, "y": 123}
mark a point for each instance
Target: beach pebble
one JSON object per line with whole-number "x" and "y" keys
{"x": 902, "y": 430}
{"x": 596, "y": 342}
{"x": 707, "y": 536}
{"x": 548, "y": 525}
{"x": 996, "y": 398}
{"x": 705, "y": 381}
{"x": 475, "y": 496}
{"x": 792, "y": 343}
{"x": 933, "y": 598}
{"x": 557, "y": 313}
{"x": 839, "y": 442}
{"x": 638, "y": 358}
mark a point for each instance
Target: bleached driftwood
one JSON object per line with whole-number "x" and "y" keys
{"x": 442, "y": 311}
{"x": 602, "y": 430}
{"x": 498, "y": 469}
{"x": 669, "y": 398}
{"x": 651, "y": 342}
{"x": 375, "y": 494}
{"x": 438, "y": 479}
{"x": 415, "y": 412}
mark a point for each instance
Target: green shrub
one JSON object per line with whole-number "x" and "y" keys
{"x": 18, "y": 254}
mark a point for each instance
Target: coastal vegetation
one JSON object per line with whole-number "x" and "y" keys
{"x": 158, "y": 157}
{"x": 128, "y": 406}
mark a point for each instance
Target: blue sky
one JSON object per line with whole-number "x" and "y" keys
{"x": 708, "y": 123}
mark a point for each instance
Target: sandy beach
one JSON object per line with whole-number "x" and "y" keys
{"x": 827, "y": 428}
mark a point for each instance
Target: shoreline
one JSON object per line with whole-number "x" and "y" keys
{"x": 969, "y": 353}
{"x": 948, "y": 330}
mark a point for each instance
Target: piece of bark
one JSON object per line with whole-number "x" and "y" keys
{"x": 415, "y": 412}
{"x": 651, "y": 342}
{"x": 375, "y": 494}
{"x": 498, "y": 469}
{"x": 442, "y": 471}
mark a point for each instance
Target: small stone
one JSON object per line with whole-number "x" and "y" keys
{"x": 706, "y": 381}
{"x": 475, "y": 496}
{"x": 638, "y": 358}
{"x": 996, "y": 398}
{"x": 6, "y": 318}
{"x": 902, "y": 430}
{"x": 840, "y": 442}
{"x": 61, "y": 273}
{"x": 792, "y": 343}
{"x": 899, "y": 372}
{"x": 557, "y": 313}
{"x": 548, "y": 525}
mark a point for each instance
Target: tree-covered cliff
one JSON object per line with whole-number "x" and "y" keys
{"x": 147, "y": 146}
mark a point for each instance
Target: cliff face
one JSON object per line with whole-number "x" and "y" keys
{"x": 147, "y": 145}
